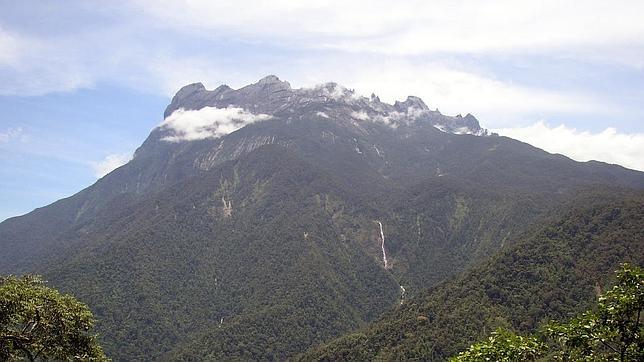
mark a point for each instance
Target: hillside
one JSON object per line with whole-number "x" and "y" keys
{"x": 181, "y": 264}
{"x": 554, "y": 273}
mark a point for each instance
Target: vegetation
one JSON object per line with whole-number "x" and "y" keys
{"x": 503, "y": 346}
{"x": 613, "y": 331}
{"x": 554, "y": 273}
{"x": 38, "y": 323}
{"x": 185, "y": 281}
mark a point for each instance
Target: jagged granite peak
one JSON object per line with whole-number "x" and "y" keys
{"x": 462, "y": 125}
{"x": 188, "y": 90}
{"x": 276, "y": 98}
{"x": 190, "y": 96}
{"x": 270, "y": 83}
{"x": 411, "y": 102}
{"x": 222, "y": 88}
{"x": 470, "y": 120}
{"x": 270, "y": 80}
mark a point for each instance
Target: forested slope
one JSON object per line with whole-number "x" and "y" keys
{"x": 552, "y": 274}
{"x": 184, "y": 263}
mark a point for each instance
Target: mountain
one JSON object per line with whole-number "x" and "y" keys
{"x": 554, "y": 272}
{"x": 254, "y": 223}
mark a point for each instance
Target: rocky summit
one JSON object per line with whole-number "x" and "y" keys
{"x": 272, "y": 96}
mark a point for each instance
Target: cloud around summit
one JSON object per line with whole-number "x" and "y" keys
{"x": 207, "y": 122}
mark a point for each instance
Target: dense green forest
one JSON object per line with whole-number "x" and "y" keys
{"x": 37, "y": 323}
{"x": 612, "y": 330}
{"x": 257, "y": 284}
{"x": 554, "y": 273}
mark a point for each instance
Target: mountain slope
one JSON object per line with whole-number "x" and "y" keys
{"x": 263, "y": 206}
{"x": 193, "y": 264}
{"x": 552, "y": 274}
{"x": 398, "y": 148}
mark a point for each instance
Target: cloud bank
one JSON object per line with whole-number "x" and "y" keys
{"x": 207, "y": 122}
{"x": 414, "y": 26}
{"x": 608, "y": 145}
{"x": 110, "y": 163}
{"x": 453, "y": 54}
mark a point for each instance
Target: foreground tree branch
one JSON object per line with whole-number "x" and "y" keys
{"x": 37, "y": 322}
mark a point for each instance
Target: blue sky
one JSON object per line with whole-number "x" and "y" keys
{"x": 83, "y": 82}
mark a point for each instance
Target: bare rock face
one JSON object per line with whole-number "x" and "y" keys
{"x": 411, "y": 102}
{"x": 270, "y": 95}
{"x": 186, "y": 97}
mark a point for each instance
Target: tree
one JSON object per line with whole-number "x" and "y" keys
{"x": 505, "y": 346}
{"x": 612, "y": 332}
{"x": 39, "y": 323}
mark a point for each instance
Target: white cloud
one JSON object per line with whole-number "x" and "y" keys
{"x": 608, "y": 146}
{"x": 12, "y": 134}
{"x": 207, "y": 122}
{"x": 9, "y": 48}
{"x": 412, "y": 26}
{"x": 362, "y": 115}
{"x": 39, "y": 64}
{"x": 110, "y": 163}
{"x": 71, "y": 60}
{"x": 35, "y": 66}
{"x": 451, "y": 89}
{"x": 334, "y": 91}
{"x": 374, "y": 52}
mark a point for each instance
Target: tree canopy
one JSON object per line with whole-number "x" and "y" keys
{"x": 39, "y": 323}
{"x": 611, "y": 332}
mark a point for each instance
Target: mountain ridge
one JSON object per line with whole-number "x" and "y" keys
{"x": 271, "y": 95}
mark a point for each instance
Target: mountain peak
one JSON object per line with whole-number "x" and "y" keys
{"x": 411, "y": 102}
{"x": 272, "y": 82}
{"x": 189, "y": 89}
{"x": 273, "y": 97}
{"x": 269, "y": 79}
{"x": 186, "y": 95}
{"x": 416, "y": 102}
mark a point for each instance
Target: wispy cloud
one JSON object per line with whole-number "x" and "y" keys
{"x": 454, "y": 90}
{"x": 207, "y": 122}
{"x": 38, "y": 64}
{"x": 413, "y": 26}
{"x": 609, "y": 145}
{"x": 11, "y": 134}
{"x": 33, "y": 66}
{"x": 362, "y": 115}
{"x": 9, "y": 48}
{"x": 110, "y": 163}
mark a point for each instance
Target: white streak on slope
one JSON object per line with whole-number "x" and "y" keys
{"x": 382, "y": 237}
{"x": 402, "y": 294}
